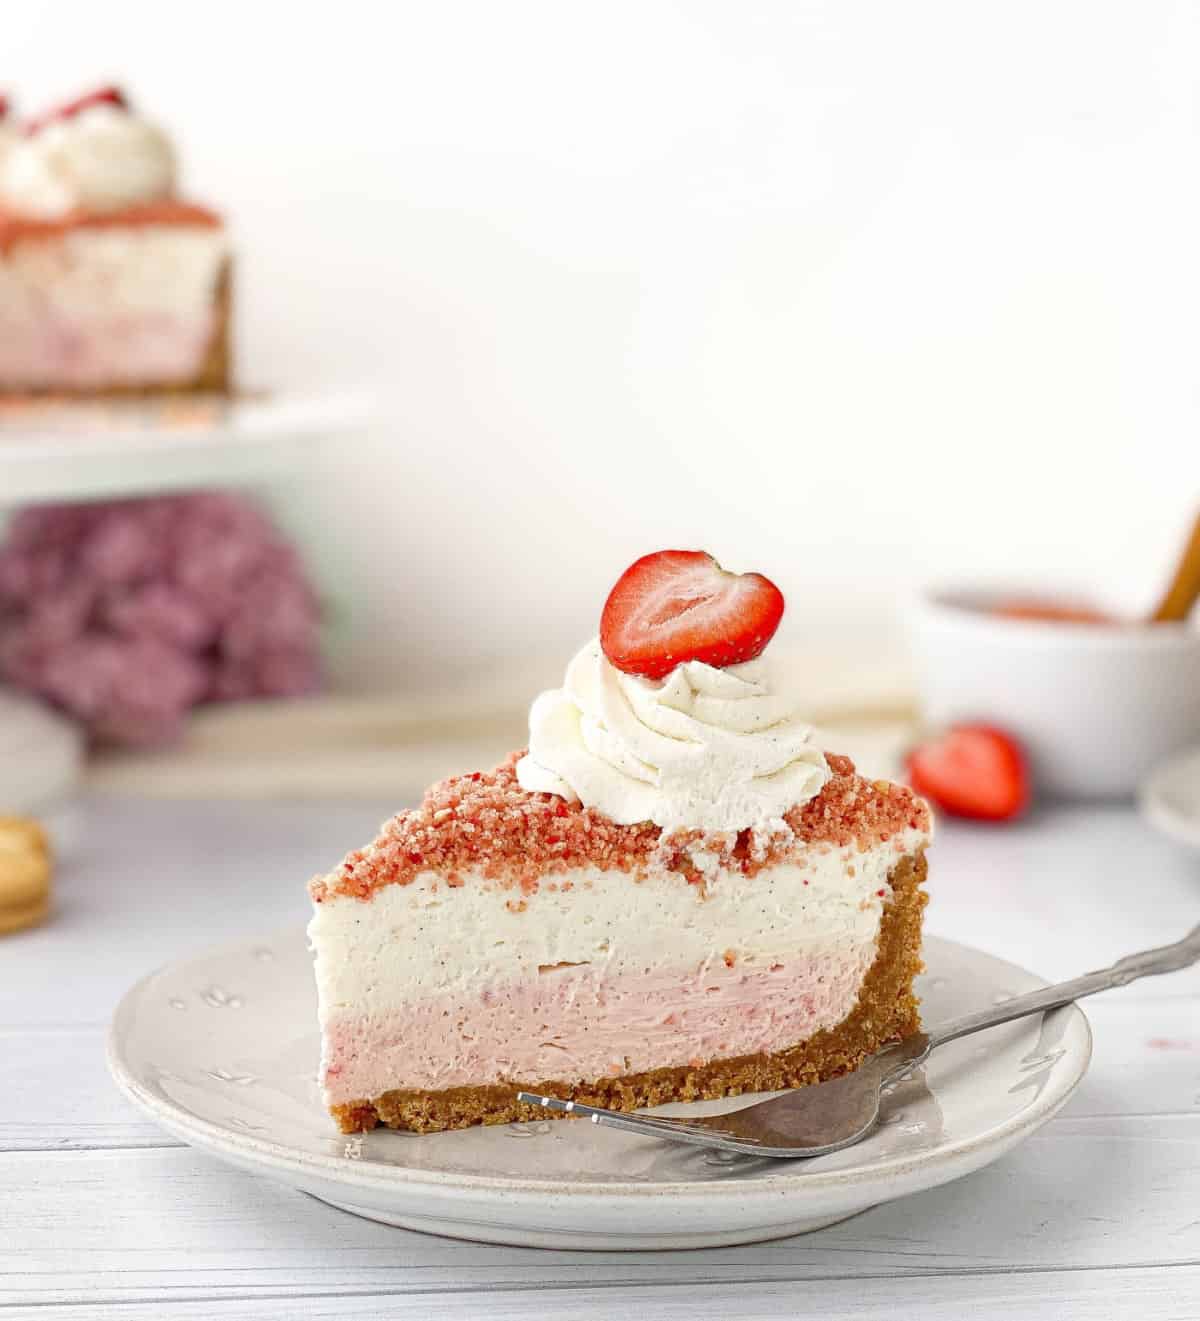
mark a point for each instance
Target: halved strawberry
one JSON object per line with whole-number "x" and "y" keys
{"x": 107, "y": 95}
{"x": 975, "y": 771}
{"x": 680, "y": 605}
{"x": 4, "y": 107}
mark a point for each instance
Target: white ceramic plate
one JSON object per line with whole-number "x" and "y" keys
{"x": 87, "y": 449}
{"x": 1170, "y": 798}
{"x": 222, "y": 1051}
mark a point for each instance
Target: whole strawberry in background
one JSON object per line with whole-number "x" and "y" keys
{"x": 975, "y": 771}
{"x": 126, "y": 614}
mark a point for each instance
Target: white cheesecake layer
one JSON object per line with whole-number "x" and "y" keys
{"x": 428, "y": 986}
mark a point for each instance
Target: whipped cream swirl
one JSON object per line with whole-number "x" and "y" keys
{"x": 102, "y": 159}
{"x": 715, "y": 750}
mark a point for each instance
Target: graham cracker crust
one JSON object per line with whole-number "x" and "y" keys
{"x": 886, "y": 1011}
{"x": 216, "y": 371}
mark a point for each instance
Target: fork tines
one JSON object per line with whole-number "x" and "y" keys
{"x": 650, "y": 1125}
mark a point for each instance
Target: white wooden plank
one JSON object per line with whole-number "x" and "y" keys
{"x": 58, "y": 1094}
{"x": 1069, "y": 889}
{"x": 1094, "y": 1295}
{"x": 142, "y": 1224}
{"x": 1145, "y": 1059}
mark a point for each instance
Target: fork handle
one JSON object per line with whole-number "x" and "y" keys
{"x": 1149, "y": 963}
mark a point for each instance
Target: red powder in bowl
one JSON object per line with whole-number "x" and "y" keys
{"x": 1050, "y": 612}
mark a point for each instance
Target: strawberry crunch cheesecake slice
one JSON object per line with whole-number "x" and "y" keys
{"x": 673, "y": 895}
{"x": 110, "y": 283}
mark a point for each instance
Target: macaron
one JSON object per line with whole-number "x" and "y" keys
{"x": 25, "y": 868}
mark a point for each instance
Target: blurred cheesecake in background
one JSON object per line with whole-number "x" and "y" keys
{"x": 110, "y": 282}
{"x": 674, "y": 894}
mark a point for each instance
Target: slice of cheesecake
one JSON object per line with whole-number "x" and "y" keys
{"x": 494, "y": 939}
{"x": 674, "y": 895}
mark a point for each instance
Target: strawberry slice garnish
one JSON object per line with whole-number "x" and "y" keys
{"x": 107, "y": 95}
{"x": 975, "y": 771}
{"x": 680, "y": 605}
{"x": 3, "y": 106}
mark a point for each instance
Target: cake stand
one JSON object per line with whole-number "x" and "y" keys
{"x": 85, "y": 450}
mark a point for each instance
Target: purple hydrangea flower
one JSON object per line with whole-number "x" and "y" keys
{"x": 126, "y": 614}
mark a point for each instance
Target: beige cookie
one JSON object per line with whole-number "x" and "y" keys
{"x": 25, "y": 915}
{"x": 25, "y": 868}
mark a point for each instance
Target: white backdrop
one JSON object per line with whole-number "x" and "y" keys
{"x": 857, "y": 294}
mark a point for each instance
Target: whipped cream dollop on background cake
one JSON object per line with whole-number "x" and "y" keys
{"x": 103, "y": 159}
{"x": 675, "y": 893}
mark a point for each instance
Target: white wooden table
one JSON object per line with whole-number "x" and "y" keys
{"x": 103, "y": 1215}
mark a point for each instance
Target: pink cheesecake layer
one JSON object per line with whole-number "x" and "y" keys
{"x": 573, "y": 1023}
{"x": 129, "y": 349}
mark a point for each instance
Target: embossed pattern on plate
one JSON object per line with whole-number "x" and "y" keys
{"x": 223, "y": 1049}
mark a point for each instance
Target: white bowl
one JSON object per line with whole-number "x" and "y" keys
{"x": 1097, "y": 706}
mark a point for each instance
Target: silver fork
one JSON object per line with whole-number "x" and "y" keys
{"x": 815, "y": 1120}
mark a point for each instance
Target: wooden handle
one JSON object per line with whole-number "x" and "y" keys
{"x": 1185, "y": 586}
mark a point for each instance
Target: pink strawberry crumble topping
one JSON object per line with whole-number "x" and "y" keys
{"x": 487, "y": 823}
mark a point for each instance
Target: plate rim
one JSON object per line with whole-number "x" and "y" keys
{"x": 794, "y": 1175}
